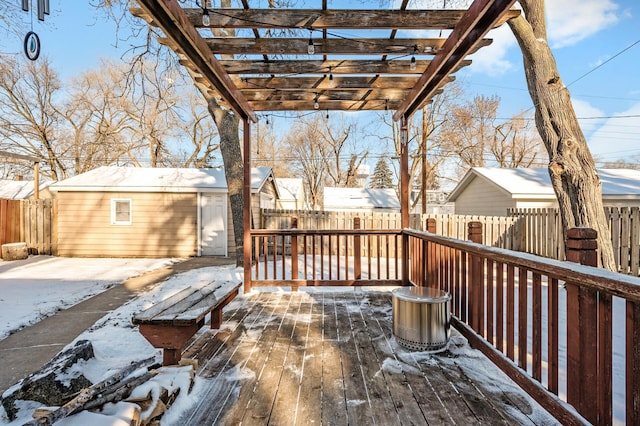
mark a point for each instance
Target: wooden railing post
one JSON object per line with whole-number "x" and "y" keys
{"x": 357, "y": 251}
{"x": 429, "y": 262}
{"x": 476, "y": 278}
{"x": 431, "y": 225}
{"x": 582, "y": 334}
{"x": 294, "y": 253}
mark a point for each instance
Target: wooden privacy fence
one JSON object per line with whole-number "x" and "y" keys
{"x": 535, "y": 231}
{"x": 498, "y": 231}
{"x": 542, "y": 230}
{"x": 561, "y": 331}
{"x": 29, "y": 221}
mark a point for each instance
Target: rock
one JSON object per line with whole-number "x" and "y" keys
{"x": 43, "y": 386}
{"x": 14, "y": 251}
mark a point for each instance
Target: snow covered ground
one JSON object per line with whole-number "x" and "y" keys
{"x": 115, "y": 342}
{"x": 39, "y": 286}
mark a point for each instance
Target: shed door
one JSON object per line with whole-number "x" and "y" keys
{"x": 214, "y": 224}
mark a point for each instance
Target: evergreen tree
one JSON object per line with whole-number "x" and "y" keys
{"x": 382, "y": 176}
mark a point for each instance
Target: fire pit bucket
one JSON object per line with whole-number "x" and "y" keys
{"x": 421, "y": 318}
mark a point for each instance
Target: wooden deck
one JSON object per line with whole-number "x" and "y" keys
{"x": 287, "y": 358}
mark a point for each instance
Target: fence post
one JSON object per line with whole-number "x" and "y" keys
{"x": 582, "y": 329}
{"x": 294, "y": 254}
{"x": 357, "y": 250}
{"x": 476, "y": 278}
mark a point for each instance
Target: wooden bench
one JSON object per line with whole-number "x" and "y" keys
{"x": 172, "y": 322}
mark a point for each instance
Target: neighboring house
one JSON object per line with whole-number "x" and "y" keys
{"x": 491, "y": 191}
{"x": 291, "y": 191}
{"x": 363, "y": 199}
{"x": 22, "y": 189}
{"x": 437, "y": 202}
{"x": 152, "y": 212}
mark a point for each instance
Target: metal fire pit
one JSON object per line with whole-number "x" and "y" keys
{"x": 421, "y": 318}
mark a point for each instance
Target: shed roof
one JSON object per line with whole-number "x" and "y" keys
{"x": 536, "y": 183}
{"x": 358, "y": 198}
{"x": 145, "y": 179}
{"x": 18, "y": 189}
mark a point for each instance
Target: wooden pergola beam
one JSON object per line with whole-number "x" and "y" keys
{"x": 477, "y": 21}
{"x": 326, "y": 94}
{"x": 322, "y": 82}
{"x": 374, "y": 105}
{"x": 331, "y": 46}
{"x": 169, "y": 16}
{"x": 331, "y": 19}
{"x": 335, "y": 67}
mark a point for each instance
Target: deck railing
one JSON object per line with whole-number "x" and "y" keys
{"x": 561, "y": 330}
{"x": 297, "y": 257}
{"x": 565, "y": 332}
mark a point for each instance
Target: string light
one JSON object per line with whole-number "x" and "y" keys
{"x": 412, "y": 64}
{"x": 316, "y": 105}
{"x": 311, "y": 49}
{"x": 206, "y": 19}
{"x": 327, "y": 114}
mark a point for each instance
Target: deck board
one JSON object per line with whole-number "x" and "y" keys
{"x": 331, "y": 358}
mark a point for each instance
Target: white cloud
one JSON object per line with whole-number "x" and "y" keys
{"x": 585, "y": 109}
{"x": 492, "y": 60}
{"x": 617, "y": 138}
{"x": 569, "y": 21}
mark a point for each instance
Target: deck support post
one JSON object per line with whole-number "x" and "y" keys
{"x": 246, "y": 197}
{"x": 404, "y": 196}
{"x": 583, "y": 381}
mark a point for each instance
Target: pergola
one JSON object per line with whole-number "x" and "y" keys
{"x": 296, "y": 59}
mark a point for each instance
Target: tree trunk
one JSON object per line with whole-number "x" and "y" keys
{"x": 571, "y": 166}
{"x": 228, "y": 125}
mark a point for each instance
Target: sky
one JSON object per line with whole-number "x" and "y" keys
{"x": 596, "y": 44}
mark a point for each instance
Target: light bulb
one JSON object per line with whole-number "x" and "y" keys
{"x": 206, "y": 20}
{"x": 311, "y": 49}
{"x": 412, "y": 64}
{"x": 316, "y": 105}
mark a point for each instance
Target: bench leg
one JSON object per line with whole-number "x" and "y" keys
{"x": 171, "y": 356}
{"x": 216, "y": 318}
{"x": 216, "y": 314}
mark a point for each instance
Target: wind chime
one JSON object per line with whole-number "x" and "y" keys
{"x": 31, "y": 40}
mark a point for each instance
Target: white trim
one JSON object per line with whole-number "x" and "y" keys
{"x": 114, "y": 220}
{"x": 199, "y": 223}
{"x": 61, "y": 188}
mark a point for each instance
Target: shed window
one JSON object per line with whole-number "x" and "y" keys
{"x": 120, "y": 211}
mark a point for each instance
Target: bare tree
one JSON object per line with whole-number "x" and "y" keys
{"x": 470, "y": 128}
{"x": 516, "y": 144}
{"x": 99, "y": 129}
{"x": 571, "y": 166}
{"x": 269, "y": 151}
{"x": 28, "y": 121}
{"x": 306, "y": 146}
{"x": 341, "y": 152}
